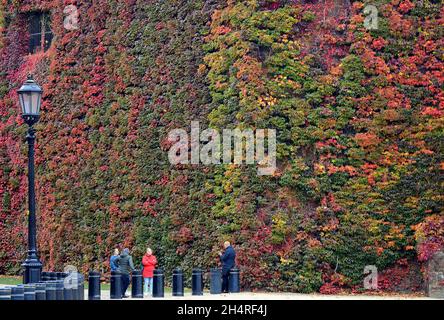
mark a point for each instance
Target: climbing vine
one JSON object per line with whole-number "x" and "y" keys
{"x": 358, "y": 115}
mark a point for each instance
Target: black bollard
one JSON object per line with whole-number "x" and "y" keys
{"x": 178, "y": 282}
{"x": 158, "y": 283}
{"x": 116, "y": 285}
{"x": 234, "y": 281}
{"x": 73, "y": 280}
{"x": 45, "y": 276}
{"x": 60, "y": 289}
{"x": 81, "y": 287}
{"x": 197, "y": 282}
{"x": 5, "y": 293}
{"x": 51, "y": 290}
{"x": 137, "y": 284}
{"x": 18, "y": 292}
{"x": 215, "y": 281}
{"x": 29, "y": 292}
{"x": 94, "y": 285}
{"x": 68, "y": 291}
{"x": 40, "y": 291}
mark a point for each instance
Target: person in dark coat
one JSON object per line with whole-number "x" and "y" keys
{"x": 228, "y": 261}
{"x": 126, "y": 265}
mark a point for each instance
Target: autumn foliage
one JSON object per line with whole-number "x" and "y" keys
{"x": 358, "y": 113}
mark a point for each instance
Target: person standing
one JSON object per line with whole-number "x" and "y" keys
{"x": 149, "y": 262}
{"x": 228, "y": 260}
{"x": 126, "y": 265}
{"x": 113, "y": 260}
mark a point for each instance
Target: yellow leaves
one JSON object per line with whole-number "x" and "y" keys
{"x": 286, "y": 262}
{"x": 228, "y": 188}
{"x": 411, "y": 202}
{"x": 283, "y": 81}
{"x": 267, "y": 101}
{"x": 319, "y": 169}
{"x": 202, "y": 69}
{"x": 374, "y": 227}
{"x": 284, "y": 38}
{"x": 279, "y": 221}
{"x": 391, "y": 244}
{"x": 327, "y": 79}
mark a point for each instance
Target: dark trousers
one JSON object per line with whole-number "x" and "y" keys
{"x": 125, "y": 283}
{"x": 225, "y": 277}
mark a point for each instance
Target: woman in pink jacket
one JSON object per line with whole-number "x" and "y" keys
{"x": 149, "y": 262}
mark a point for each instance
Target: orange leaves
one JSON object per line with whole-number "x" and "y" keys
{"x": 336, "y": 70}
{"x": 391, "y": 115}
{"x": 366, "y": 140}
{"x": 184, "y": 235}
{"x": 314, "y": 243}
{"x": 379, "y": 43}
{"x": 347, "y": 169}
{"x": 249, "y": 69}
{"x": 433, "y": 112}
{"x": 403, "y": 26}
{"x": 220, "y": 30}
{"x": 374, "y": 63}
{"x": 319, "y": 168}
{"x": 406, "y": 6}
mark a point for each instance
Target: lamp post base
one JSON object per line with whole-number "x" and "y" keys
{"x": 33, "y": 270}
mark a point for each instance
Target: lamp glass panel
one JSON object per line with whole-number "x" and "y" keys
{"x": 22, "y": 102}
{"x": 26, "y": 102}
{"x": 29, "y": 106}
{"x": 35, "y": 105}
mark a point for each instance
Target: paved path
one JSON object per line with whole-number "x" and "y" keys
{"x": 272, "y": 296}
{"x": 105, "y": 295}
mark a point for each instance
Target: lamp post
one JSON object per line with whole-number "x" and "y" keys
{"x": 30, "y": 95}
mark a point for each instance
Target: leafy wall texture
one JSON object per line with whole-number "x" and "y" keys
{"x": 359, "y": 116}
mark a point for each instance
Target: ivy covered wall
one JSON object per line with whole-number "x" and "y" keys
{"x": 359, "y": 120}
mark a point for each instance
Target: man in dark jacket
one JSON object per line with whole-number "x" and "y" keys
{"x": 228, "y": 260}
{"x": 126, "y": 265}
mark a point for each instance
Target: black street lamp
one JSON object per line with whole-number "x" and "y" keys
{"x": 30, "y": 96}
